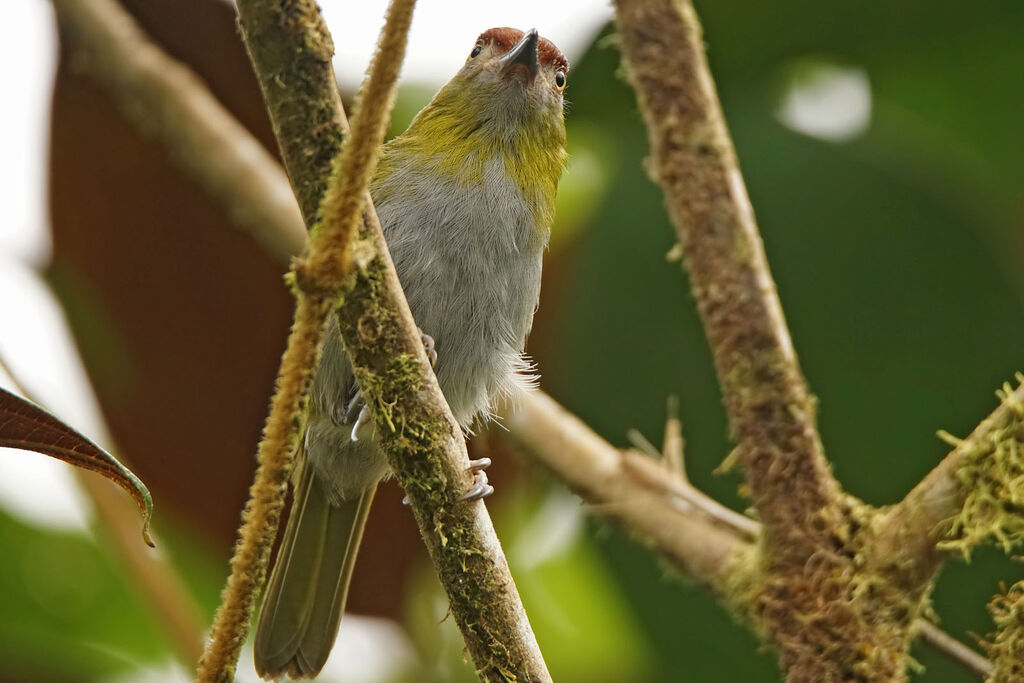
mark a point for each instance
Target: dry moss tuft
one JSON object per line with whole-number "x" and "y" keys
{"x": 1006, "y": 649}
{"x": 992, "y": 477}
{"x": 840, "y": 616}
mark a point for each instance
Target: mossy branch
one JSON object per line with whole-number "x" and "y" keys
{"x": 319, "y": 281}
{"x": 771, "y": 412}
{"x": 651, "y": 500}
{"x": 975, "y": 494}
{"x": 1006, "y": 646}
{"x": 290, "y": 49}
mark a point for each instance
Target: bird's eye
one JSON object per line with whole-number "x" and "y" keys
{"x": 560, "y": 79}
{"x": 476, "y": 51}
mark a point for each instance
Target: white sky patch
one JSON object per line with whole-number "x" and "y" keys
{"x": 28, "y": 47}
{"x": 443, "y": 33}
{"x": 826, "y": 101}
{"x": 36, "y": 342}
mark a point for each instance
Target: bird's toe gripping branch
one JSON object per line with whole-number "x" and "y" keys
{"x": 481, "y": 488}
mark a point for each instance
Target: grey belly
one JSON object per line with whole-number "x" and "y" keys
{"x": 478, "y": 307}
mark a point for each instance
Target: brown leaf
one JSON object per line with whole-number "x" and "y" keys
{"x": 26, "y": 426}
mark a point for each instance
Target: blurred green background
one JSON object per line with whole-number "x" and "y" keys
{"x": 897, "y": 251}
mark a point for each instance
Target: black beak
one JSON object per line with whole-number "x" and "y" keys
{"x": 524, "y": 55}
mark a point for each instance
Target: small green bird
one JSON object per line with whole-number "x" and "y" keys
{"x": 466, "y": 198}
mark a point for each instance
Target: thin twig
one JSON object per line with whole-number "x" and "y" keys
{"x": 956, "y": 651}
{"x": 319, "y": 280}
{"x": 157, "y": 92}
{"x": 161, "y": 587}
{"x": 262, "y": 512}
{"x": 658, "y": 476}
{"x": 673, "y": 446}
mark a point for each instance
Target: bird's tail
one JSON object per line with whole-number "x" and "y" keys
{"x": 305, "y": 596}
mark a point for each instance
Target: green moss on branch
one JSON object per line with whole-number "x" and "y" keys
{"x": 991, "y": 476}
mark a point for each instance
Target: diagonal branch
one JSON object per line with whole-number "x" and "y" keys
{"x": 921, "y": 521}
{"x": 770, "y": 410}
{"x": 697, "y": 543}
{"x": 712, "y": 545}
{"x": 158, "y": 93}
{"x": 319, "y": 280}
{"x": 291, "y": 49}
{"x": 661, "y": 509}
{"x": 154, "y": 575}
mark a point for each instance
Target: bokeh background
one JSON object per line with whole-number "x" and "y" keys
{"x": 882, "y": 148}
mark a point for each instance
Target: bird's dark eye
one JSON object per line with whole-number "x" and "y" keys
{"x": 476, "y": 51}
{"x": 560, "y": 79}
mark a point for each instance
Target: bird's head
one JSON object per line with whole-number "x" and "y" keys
{"x": 504, "y": 104}
{"x": 513, "y": 78}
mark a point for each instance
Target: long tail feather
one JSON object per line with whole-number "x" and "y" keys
{"x": 306, "y": 593}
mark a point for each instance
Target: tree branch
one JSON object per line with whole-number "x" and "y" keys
{"x": 319, "y": 280}
{"x": 697, "y": 543}
{"x": 290, "y": 49}
{"x": 712, "y": 545}
{"x": 770, "y": 410}
{"x": 262, "y": 512}
{"x": 157, "y": 93}
{"x": 154, "y": 576}
{"x": 680, "y": 522}
{"x": 918, "y": 527}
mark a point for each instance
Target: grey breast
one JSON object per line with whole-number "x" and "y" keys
{"x": 469, "y": 259}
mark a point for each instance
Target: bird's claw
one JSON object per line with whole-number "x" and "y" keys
{"x": 364, "y": 417}
{"x": 354, "y": 407}
{"x": 481, "y": 488}
{"x": 430, "y": 348}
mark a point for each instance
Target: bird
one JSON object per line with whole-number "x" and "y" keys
{"x": 466, "y": 200}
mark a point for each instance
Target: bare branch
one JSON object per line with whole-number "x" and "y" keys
{"x": 770, "y": 410}
{"x": 157, "y": 580}
{"x": 643, "y": 496}
{"x": 158, "y": 93}
{"x": 599, "y": 473}
{"x": 943, "y": 643}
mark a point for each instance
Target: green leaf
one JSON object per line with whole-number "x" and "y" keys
{"x": 26, "y": 426}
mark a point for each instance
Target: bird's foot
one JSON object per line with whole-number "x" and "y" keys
{"x": 481, "y": 488}
{"x": 364, "y": 417}
{"x": 429, "y": 347}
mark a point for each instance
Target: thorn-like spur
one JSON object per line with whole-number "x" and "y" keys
{"x": 364, "y": 417}
{"x": 430, "y": 348}
{"x": 481, "y": 488}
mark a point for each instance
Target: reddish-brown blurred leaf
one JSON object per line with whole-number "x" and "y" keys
{"x": 26, "y": 426}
